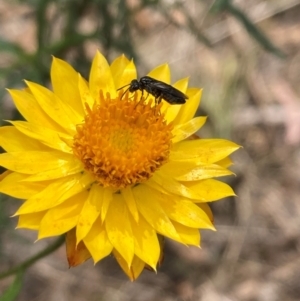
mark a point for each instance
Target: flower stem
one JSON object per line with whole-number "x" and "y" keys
{"x": 24, "y": 265}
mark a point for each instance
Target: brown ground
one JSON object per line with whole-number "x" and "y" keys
{"x": 251, "y": 97}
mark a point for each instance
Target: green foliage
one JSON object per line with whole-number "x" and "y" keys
{"x": 252, "y": 29}
{"x": 114, "y": 31}
{"x": 13, "y": 290}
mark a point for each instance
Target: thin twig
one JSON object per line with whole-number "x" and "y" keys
{"x": 27, "y": 263}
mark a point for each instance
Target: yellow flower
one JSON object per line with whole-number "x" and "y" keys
{"x": 115, "y": 172}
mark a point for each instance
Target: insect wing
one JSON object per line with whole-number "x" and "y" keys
{"x": 170, "y": 94}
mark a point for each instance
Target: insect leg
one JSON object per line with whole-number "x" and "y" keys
{"x": 142, "y": 93}
{"x": 158, "y": 99}
{"x": 147, "y": 96}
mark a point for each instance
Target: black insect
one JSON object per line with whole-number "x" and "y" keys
{"x": 158, "y": 89}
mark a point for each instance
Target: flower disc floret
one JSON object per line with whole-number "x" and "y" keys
{"x": 123, "y": 142}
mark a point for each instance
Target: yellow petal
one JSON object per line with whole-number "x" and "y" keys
{"x": 162, "y": 73}
{"x": 63, "y": 217}
{"x": 182, "y": 85}
{"x": 161, "y": 240}
{"x": 146, "y": 245}
{"x": 60, "y": 112}
{"x": 12, "y": 185}
{"x": 88, "y": 215}
{"x": 5, "y": 174}
{"x": 85, "y": 94}
{"x": 149, "y": 207}
{"x": 185, "y": 130}
{"x": 128, "y": 75}
{"x": 173, "y": 110}
{"x": 130, "y": 202}
{"x": 156, "y": 186}
{"x": 199, "y": 191}
{"x": 30, "y": 221}
{"x": 56, "y": 193}
{"x": 203, "y": 150}
{"x": 64, "y": 81}
{"x": 205, "y": 207}
{"x": 30, "y": 109}
{"x": 210, "y": 190}
{"x": 32, "y": 162}
{"x": 101, "y": 78}
{"x": 204, "y": 172}
{"x": 118, "y": 228}
{"x": 185, "y": 212}
{"x": 174, "y": 187}
{"x": 226, "y": 162}
{"x": 101, "y": 198}
{"x": 107, "y": 198}
{"x": 189, "y": 236}
{"x": 97, "y": 195}
{"x": 13, "y": 140}
{"x": 67, "y": 168}
{"x": 97, "y": 241}
{"x": 123, "y": 71}
{"x": 188, "y": 110}
{"x": 76, "y": 253}
{"x": 136, "y": 268}
{"x": 48, "y": 137}
{"x": 117, "y": 67}
{"x": 176, "y": 169}
{"x": 77, "y": 183}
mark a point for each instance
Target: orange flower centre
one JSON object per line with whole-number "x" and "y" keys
{"x": 123, "y": 142}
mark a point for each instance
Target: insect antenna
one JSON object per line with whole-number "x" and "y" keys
{"x": 123, "y": 87}
{"x": 124, "y": 91}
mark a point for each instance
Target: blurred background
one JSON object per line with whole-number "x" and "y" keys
{"x": 246, "y": 56}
